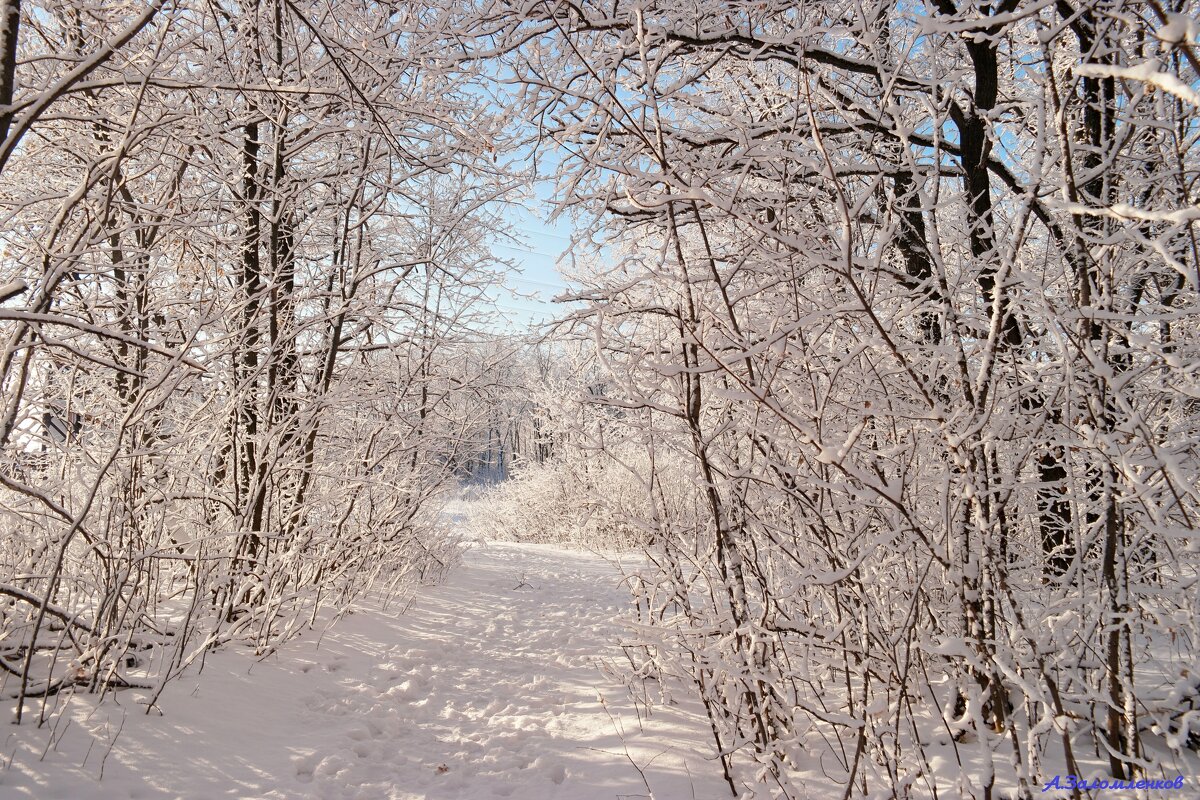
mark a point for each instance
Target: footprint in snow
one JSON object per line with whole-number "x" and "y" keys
{"x": 369, "y": 731}
{"x": 305, "y": 766}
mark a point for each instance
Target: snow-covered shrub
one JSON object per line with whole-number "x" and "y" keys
{"x": 584, "y": 501}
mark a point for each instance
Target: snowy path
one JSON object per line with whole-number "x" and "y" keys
{"x": 486, "y": 687}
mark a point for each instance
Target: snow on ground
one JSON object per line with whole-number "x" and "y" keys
{"x": 487, "y": 686}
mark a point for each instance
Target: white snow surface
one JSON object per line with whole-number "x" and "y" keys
{"x": 486, "y": 686}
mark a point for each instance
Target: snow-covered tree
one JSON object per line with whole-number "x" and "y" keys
{"x": 254, "y": 244}
{"x": 907, "y": 286}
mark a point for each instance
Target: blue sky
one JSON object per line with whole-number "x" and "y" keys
{"x": 527, "y": 302}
